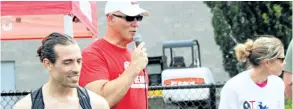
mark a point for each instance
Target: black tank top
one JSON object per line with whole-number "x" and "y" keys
{"x": 38, "y": 102}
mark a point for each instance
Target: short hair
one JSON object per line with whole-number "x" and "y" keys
{"x": 264, "y": 47}
{"x": 46, "y": 50}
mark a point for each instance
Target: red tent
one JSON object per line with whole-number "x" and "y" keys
{"x": 36, "y": 19}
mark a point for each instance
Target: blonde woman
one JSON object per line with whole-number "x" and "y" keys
{"x": 259, "y": 87}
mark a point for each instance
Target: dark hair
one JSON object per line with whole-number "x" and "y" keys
{"x": 46, "y": 50}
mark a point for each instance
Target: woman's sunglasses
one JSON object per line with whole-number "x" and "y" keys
{"x": 129, "y": 18}
{"x": 281, "y": 59}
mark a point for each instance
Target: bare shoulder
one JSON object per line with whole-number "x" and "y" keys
{"x": 97, "y": 101}
{"x": 24, "y": 103}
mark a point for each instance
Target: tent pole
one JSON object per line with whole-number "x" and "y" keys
{"x": 68, "y": 25}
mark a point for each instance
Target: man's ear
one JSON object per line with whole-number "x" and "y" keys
{"x": 47, "y": 63}
{"x": 110, "y": 19}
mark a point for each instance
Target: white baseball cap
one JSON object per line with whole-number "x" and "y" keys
{"x": 130, "y": 8}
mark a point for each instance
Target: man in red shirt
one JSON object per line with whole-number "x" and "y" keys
{"x": 109, "y": 68}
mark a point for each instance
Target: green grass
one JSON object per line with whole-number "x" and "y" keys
{"x": 288, "y": 104}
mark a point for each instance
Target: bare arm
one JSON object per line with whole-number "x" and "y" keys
{"x": 288, "y": 72}
{"x": 98, "y": 102}
{"x": 288, "y": 84}
{"x": 114, "y": 90}
{"x": 24, "y": 103}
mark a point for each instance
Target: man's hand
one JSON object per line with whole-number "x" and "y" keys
{"x": 139, "y": 58}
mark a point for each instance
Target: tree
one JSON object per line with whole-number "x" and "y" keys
{"x": 235, "y": 22}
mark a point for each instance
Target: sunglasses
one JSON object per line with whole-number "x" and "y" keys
{"x": 281, "y": 59}
{"x": 129, "y": 18}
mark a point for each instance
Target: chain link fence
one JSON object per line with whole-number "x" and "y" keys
{"x": 160, "y": 97}
{"x": 185, "y": 97}
{"x": 8, "y": 99}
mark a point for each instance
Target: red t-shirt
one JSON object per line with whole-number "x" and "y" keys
{"x": 103, "y": 60}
